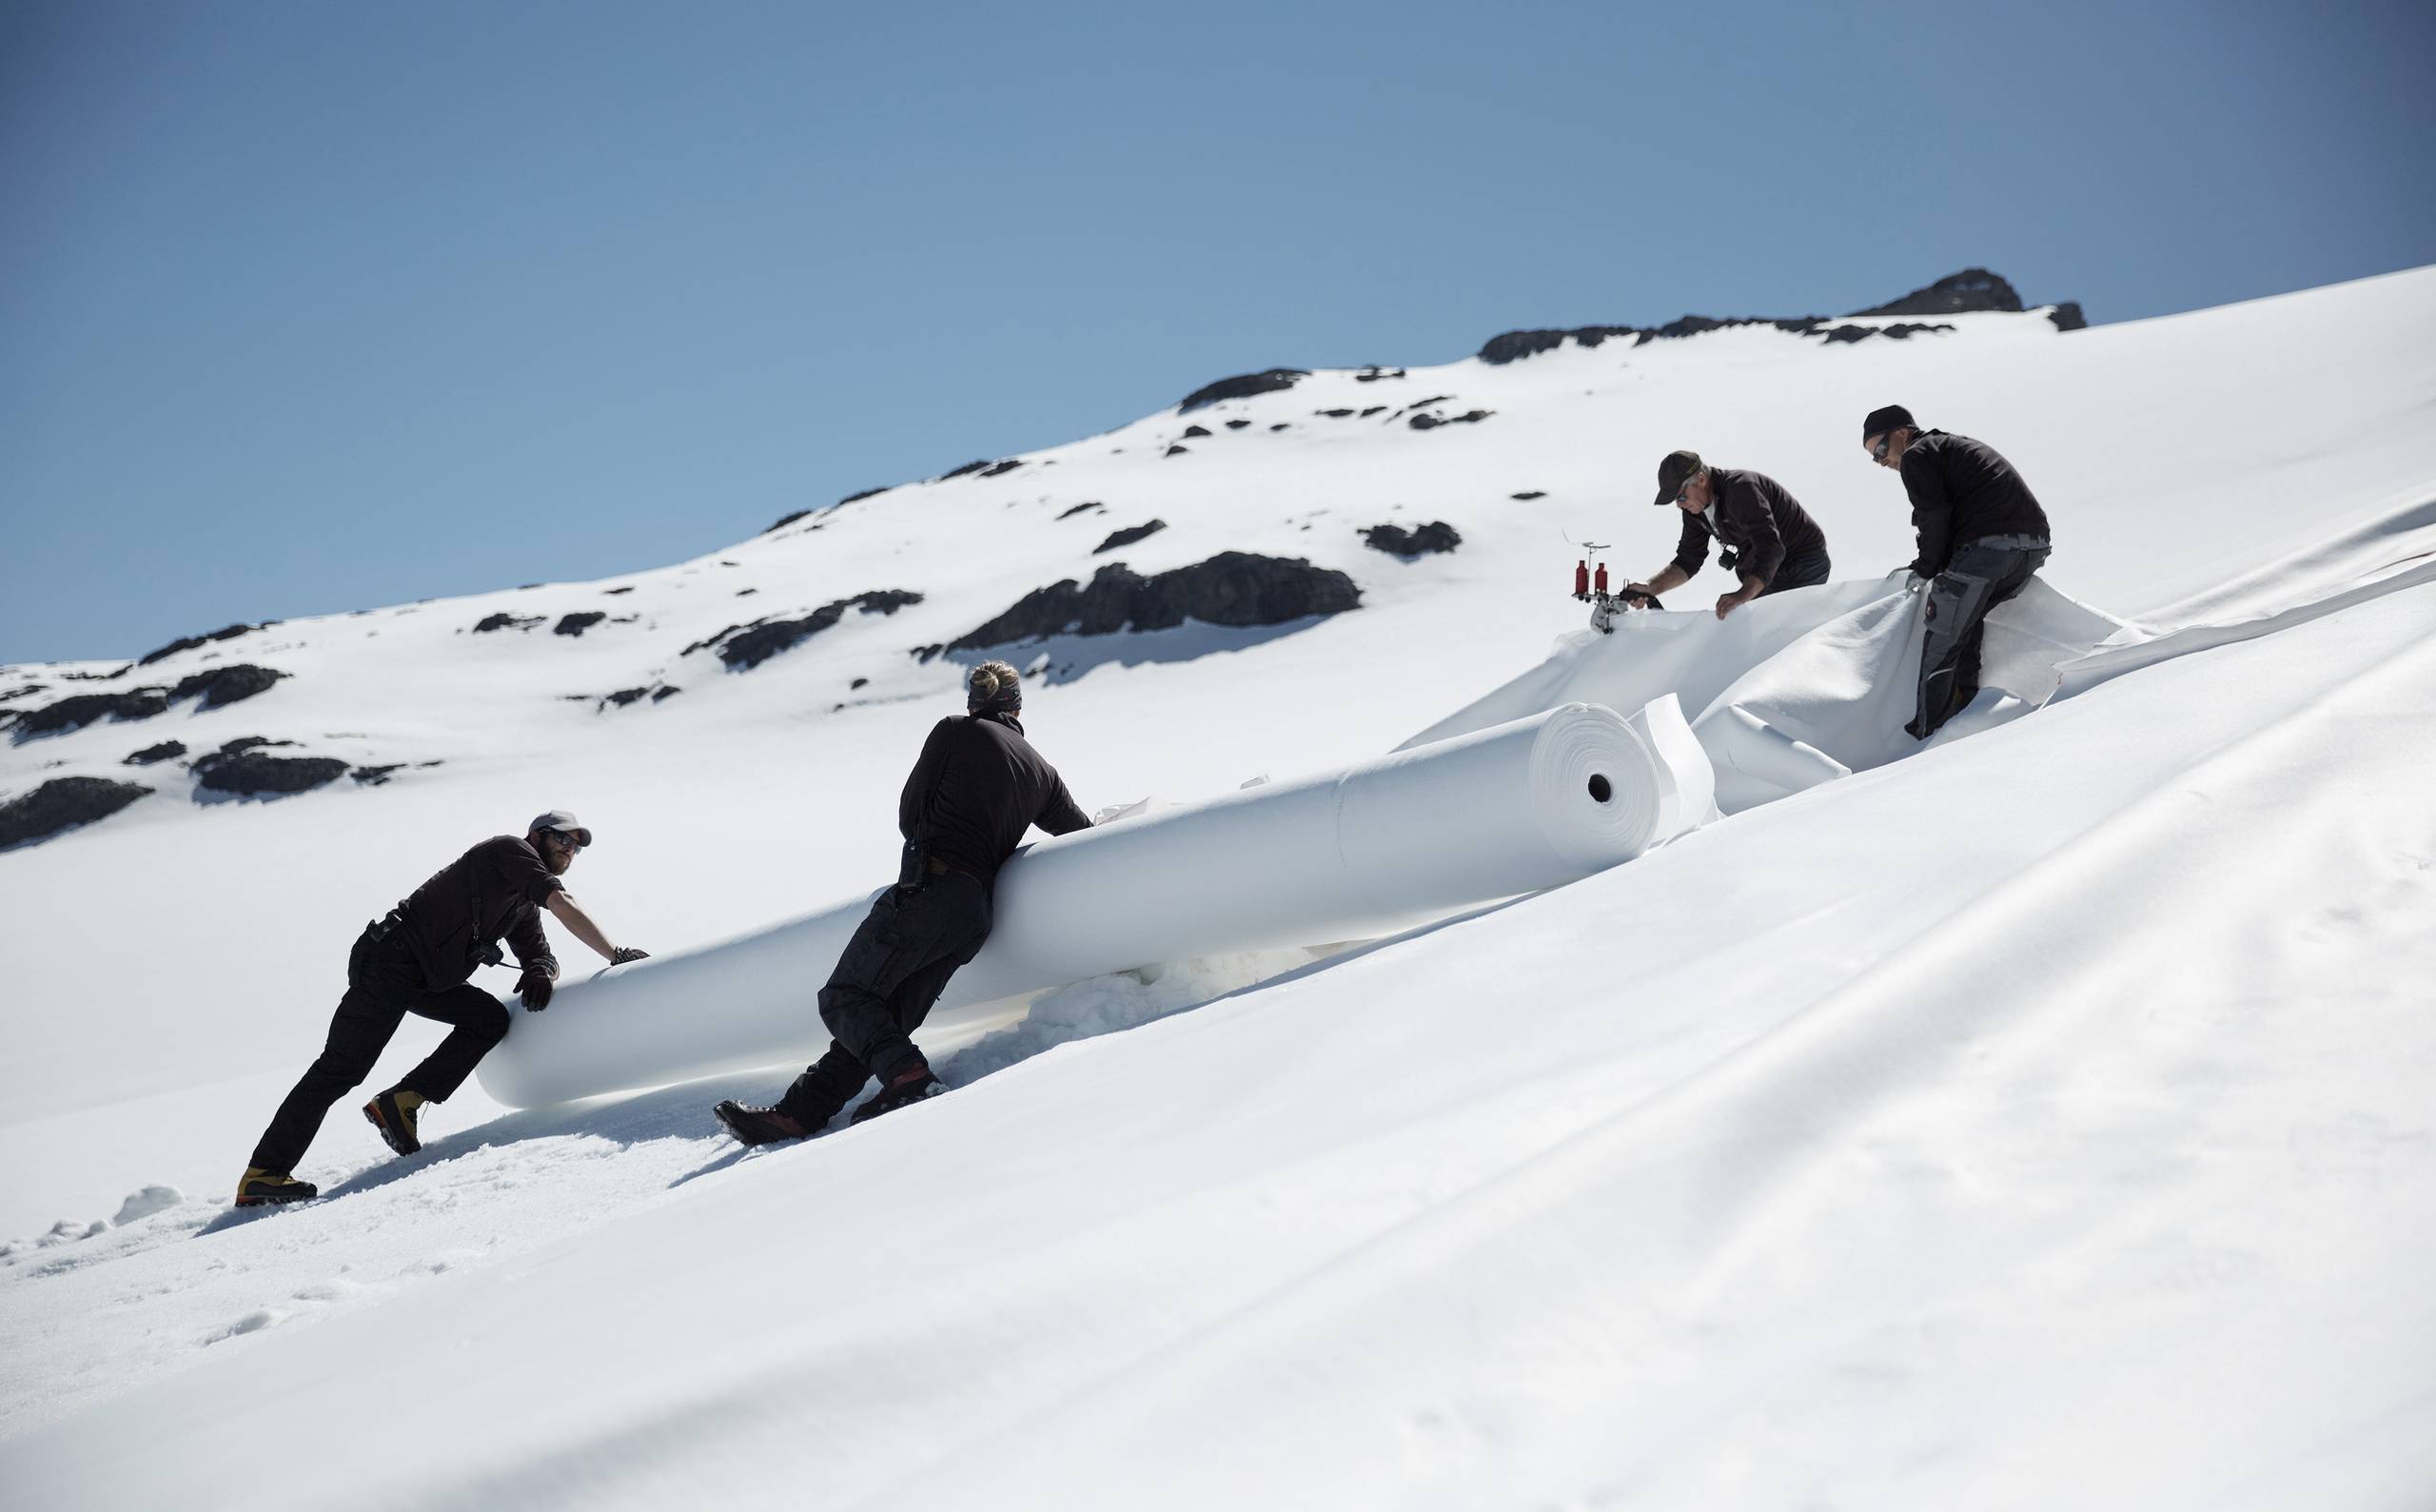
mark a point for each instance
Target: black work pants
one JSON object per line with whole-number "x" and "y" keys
{"x": 1979, "y": 576}
{"x": 1806, "y": 571}
{"x": 383, "y": 985}
{"x": 890, "y": 974}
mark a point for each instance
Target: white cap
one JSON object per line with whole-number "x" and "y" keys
{"x": 561, "y": 820}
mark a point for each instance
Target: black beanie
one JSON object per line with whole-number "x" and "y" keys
{"x": 1890, "y": 417}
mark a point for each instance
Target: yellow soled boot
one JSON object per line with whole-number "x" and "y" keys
{"x": 258, "y": 1186}
{"x": 393, "y": 1113}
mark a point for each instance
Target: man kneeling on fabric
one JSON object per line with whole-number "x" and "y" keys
{"x": 1769, "y": 540}
{"x": 1981, "y": 536}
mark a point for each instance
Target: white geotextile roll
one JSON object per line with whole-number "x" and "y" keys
{"x": 1349, "y": 854}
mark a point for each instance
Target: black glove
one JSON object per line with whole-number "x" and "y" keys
{"x": 627, "y": 952}
{"x": 535, "y": 987}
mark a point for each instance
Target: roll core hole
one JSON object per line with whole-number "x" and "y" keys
{"x": 1600, "y": 790}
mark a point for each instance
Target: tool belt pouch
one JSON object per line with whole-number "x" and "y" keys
{"x": 913, "y": 867}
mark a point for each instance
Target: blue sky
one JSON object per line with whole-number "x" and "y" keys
{"x": 313, "y": 306}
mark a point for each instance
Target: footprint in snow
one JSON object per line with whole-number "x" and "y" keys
{"x": 254, "y": 1322}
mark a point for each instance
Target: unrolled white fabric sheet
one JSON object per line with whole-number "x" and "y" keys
{"x": 1420, "y": 834}
{"x": 1798, "y": 688}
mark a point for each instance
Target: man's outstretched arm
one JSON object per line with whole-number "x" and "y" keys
{"x": 579, "y": 924}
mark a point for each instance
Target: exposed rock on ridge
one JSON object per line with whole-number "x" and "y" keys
{"x": 62, "y": 804}
{"x": 746, "y": 646}
{"x": 1973, "y": 289}
{"x": 1233, "y": 588}
{"x": 1244, "y": 386}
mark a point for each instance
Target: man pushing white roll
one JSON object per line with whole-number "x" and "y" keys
{"x": 1355, "y": 852}
{"x": 975, "y": 790}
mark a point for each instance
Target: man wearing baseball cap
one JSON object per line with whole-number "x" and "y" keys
{"x": 1981, "y": 536}
{"x": 1770, "y": 542}
{"x": 417, "y": 960}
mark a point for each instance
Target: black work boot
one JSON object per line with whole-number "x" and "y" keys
{"x": 258, "y": 1188}
{"x": 393, "y": 1113}
{"x": 913, "y": 1087}
{"x": 759, "y": 1126}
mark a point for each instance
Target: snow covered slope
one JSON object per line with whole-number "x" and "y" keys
{"x": 2043, "y": 1119}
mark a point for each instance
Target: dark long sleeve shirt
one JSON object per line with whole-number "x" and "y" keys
{"x": 1961, "y": 491}
{"x": 1757, "y": 521}
{"x": 453, "y": 923}
{"x": 976, "y": 788}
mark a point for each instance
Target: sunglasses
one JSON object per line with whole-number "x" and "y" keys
{"x": 1885, "y": 444}
{"x": 576, "y": 842}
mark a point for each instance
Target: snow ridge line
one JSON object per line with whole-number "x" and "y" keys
{"x": 1718, "y": 1171}
{"x": 2392, "y": 522}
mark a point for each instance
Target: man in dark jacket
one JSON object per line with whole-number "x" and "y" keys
{"x": 976, "y": 788}
{"x": 1770, "y": 541}
{"x": 416, "y": 960}
{"x": 1981, "y": 536}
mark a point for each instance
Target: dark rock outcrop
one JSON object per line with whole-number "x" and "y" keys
{"x": 249, "y": 774}
{"x": 506, "y": 621}
{"x": 79, "y": 710}
{"x": 250, "y": 742}
{"x": 868, "y": 493}
{"x": 1433, "y": 421}
{"x": 1002, "y": 469}
{"x": 626, "y": 695}
{"x": 1195, "y": 432}
{"x": 1421, "y": 540}
{"x": 1513, "y": 346}
{"x": 1082, "y": 509}
{"x": 1527, "y": 495}
{"x": 1371, "y": 375}
{"x": 2068, "y": 316}
{"x": 1176, "y": 450}
{"x": 1835, "y": 335}
{"x": 784, "y": 520}
{"x": 165, "y": 750}
{"x": 1973, "y": 288}
{"x": 1244, "y": 386}
{"x": 375, "y": 777}
{"x": 1233, "y": 588}
{"x": 746, "y": 646}
{"x": 1238, "y": 424}
{"x": 60, "y": 805}
{"x": 223, "y": 686}
{"x": 189, "y": 643}
{"x": 1129, "y": 536}
{"x": 974, "y": 466}
{"x": 575, "y": 624}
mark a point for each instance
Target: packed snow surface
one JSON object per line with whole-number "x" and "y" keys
{"x": 2042, "y": 1118}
